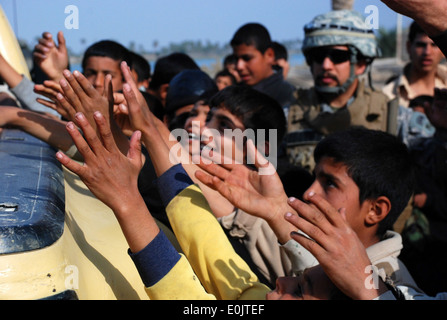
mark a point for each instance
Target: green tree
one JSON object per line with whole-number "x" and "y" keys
{"x": 386, "y": 39}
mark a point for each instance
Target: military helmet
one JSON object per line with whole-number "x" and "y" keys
{"x": 341, "y": 27}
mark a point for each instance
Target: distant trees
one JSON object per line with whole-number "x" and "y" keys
{"x": 387, "y": 42}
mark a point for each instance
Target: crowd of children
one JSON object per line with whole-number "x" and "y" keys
{"x": 270, "y": 191}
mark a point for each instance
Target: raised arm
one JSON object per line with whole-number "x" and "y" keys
{"x": 112, "y": 177}
{"x": 80, "y": 96}
{"x": 41, "y": 126}
{"x": 160, "y": 143}
{"x": 52, "y": 58}
{"x": 336, "y": 246}
{"x": 256, "y": 192}
{"x": 11, "y": 77}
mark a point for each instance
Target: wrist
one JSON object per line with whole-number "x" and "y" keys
{"x": 129, "y": 206}
{"x": 279, "y": 224}
{"x": 137, "y": 224}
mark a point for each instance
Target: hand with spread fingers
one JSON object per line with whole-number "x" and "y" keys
{"x": 112, "y": 176}
{"x": 258, "y": 192}
{"x": 79, "y": 95}
{"x": 102, "y": 159}
{"x": 139, "y": 113}
{"x": 51, "y": 58}
{"x": 50, "y": 89}
{"x": 336, "y": 246}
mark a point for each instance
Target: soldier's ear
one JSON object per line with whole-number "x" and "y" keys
{"x": 360, "y": 67}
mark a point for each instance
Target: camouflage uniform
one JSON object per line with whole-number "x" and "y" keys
{"x": 309, "y": 120}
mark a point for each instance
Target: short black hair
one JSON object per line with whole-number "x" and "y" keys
{"x": 169, "y": 66}
{"x": 252, "y": 34}
{"x": 379, "y": 163}
{"x": 226, "y": 73}
{"x": 229, "y": 59}
{"x": 141, "y": 66}
{"x": 255, "y": 109}
{"x": 280, "y": 51}
{"x": 415, "y": 29}
{"x": 110, "y": 49}
{"x": 186, "y": 88}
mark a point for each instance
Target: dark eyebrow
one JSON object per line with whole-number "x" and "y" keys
{"x": 245, "y": 57}
{"x": 223, "y": 118}
{"x": 327, "y": 176}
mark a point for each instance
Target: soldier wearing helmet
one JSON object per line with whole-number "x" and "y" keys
{"x": 339, "y": 48}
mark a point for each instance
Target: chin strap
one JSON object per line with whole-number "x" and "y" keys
{"x": 342, "y": 89}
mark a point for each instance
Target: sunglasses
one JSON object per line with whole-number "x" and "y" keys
{"x": 335, "y": 55}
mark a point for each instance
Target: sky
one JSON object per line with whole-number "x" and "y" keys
{"x": 145, "y": 22}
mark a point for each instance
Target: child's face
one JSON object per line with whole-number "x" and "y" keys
{"x": 96, "y": 69}
{"x": 196, "y": 121}
{"x": 223, "y": 81}
{"x": 253, "y": 66}
{"x": 424, "y": 53}
{"x": 334, "y": 184}
{"x": 217, "y": 134}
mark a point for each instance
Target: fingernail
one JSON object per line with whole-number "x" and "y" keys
{"x": 289, "y": 214}
{"x": 292, "y": 199}
{"x": 80, "y": 116}
{"x": 97, "y": 114}
{"x": 70, "y": 125}
{"x": 67, "y": 73}
{"x": 76, "y": 73}
{"x": 311, "y": 194}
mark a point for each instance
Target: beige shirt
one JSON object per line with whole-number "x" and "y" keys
{"x": 401, "y": 87}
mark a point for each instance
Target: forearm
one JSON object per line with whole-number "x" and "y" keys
{"x": 24, "y": 91}
{"x": 47, "y": 129}
{"x": 136, "y": 222}
{"x": 279, "y": 225}
{"x": 8, "y": 73}
{"x": 203, "y": 240}
{"x": 221, "y": 271}
{"x": 159, "y": 151}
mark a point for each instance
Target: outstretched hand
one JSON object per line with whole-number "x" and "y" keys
{"x": 140, "y": 115}
{"x": 52, "y": 58}
{"x": 79, "y": 95}
{"x": 50, "y": 89}
{"x": 261, "y": 195}
{"x": 336, "y": 246}
{"x": 111, "y": 176}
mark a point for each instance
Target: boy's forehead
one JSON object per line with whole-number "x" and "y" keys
{"x": 330, "y": 166}
{"x": 99, "y": 62}
{"x": 243, "y": 48}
